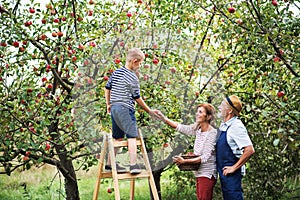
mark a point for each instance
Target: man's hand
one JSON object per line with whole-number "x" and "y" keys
{"x": 108, "y": 109}
{"x": 228, "y": 170}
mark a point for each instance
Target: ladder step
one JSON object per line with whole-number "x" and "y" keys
{"x": 125, "y": 143}
{"x": 127, "y": 175}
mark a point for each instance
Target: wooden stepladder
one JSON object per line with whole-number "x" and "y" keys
{"x": 109, "y": 143}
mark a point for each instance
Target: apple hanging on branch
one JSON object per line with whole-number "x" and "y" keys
{"x": 231, "y": 9}
{"x": 274, "y": 3}
{"x": 280, "y": 94}
{"x": 109, "y": 190}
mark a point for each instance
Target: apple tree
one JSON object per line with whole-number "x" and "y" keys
{"x": 261, "y": 38}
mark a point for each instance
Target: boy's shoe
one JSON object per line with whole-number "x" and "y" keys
{"x": 119, "y": 168}
{"x": 135, "y": 169}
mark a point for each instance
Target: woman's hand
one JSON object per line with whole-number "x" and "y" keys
{"x": 178, "y": 160}
{"x": 160, "y": 116}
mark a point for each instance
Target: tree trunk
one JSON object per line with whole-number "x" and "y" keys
{"x": 71, "y": 186}
{"x": 156, "y": 176}
{"x": 65, "y": 165}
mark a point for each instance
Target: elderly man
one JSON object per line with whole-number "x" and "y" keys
{"x": 234, "y": 148}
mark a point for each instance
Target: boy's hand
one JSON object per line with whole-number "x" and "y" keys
{"x": 154, "y": 113}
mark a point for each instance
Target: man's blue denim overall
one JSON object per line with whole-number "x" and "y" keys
{"x": 231, "y": 184}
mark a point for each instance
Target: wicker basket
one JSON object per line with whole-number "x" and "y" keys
{"x": 189, "y": 167}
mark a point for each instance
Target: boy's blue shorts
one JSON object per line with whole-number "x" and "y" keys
{"x": 123, "y": 122}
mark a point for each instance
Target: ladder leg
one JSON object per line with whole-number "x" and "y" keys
{"x": 148, "y": 168}
{"x": 100, "y": 167}
{"x": 113, "y": 166}
{"x": 132, "y": 184}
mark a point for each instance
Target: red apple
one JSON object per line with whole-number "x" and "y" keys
{"x": 139, "y": 1}
{"x": 47, "y": 146}
{"x": 122, "y": 44}
{"x": 92, "y": 44}
{"x": 32, "y": 129}
{"x": 54, "y": 34}
{"x": 27, "y": 24}
{"x": 146, "y": 77}
{"x": 274, "y": 2}
{"x": 105, "y": 78}
{"x": 3, "y": 44}
{"x": 280, "y": 94}
{"x": 16, "y": 44}
{"x": 24, "y": 42}
{"x": 21, "y": 49}
{"x": 25, "y": 158}
{"x": 166, "y": 144}
{"x": 44, "y": 79}
{"x": 43, "y": 37}
{"x": 48, "y": 68}
{"x": 56, "y": 20}
{"x": 74, "y": 59}
{"x": 239, "y": 21}
{"x": 276, "y": 59}
{"x": 27, "y": 153}
{"x": 167, "y": 82}
{"x": 81, "y": 47}
{"x": 173, "y": 70}
{"x": 129, "y": 14}
{"x": 146, "y": 55}
{"x": 155, "y": 61}
{"x": 117, "y": 61}
{"x": 29, "y": 90}
{"x": 86, "y": 62}
{"x": 44, "y": 21}
{"x": 63, "y": 19}
{"x": 39, "y": 95}
{"x": 231, "y": 9}
{"x": 91, "y": 2}
{"x": 60, "y": 34}
{"x": 190, "y": 153}
{"x": 197, "y": 93}
{"x": 109, "y": 190}
{"x": 32, "y": 10}
{"x": 281, "y": 51}
{"x": 79, "y": 19}
{"x": 21, "y": 129}
{"x": 49, "y": 6}
{"x": 53, "y": 12}
{"x": 90, "y": 12}
{"x": 146, "y": 66}
{"x": 49, "y": 86}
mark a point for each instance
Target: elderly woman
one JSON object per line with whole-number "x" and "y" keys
{"x": 204, "y": 147}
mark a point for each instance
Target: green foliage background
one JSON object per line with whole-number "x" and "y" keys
{"x": 204, "y": 53}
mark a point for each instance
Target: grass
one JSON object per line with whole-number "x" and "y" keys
{"x": 37, "y": 183}
{"x": 44, "y": 183}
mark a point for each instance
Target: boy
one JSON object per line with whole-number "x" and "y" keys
{"x": 121, "y": 92}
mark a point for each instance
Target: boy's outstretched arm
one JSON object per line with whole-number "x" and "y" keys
{"x": 107, "y": 99}
{"x": 151, "y": 112}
